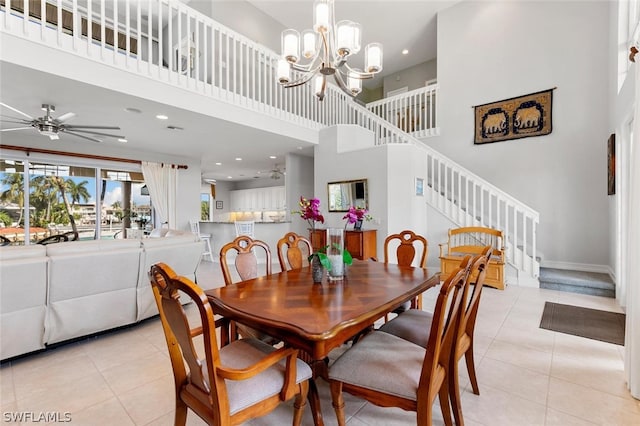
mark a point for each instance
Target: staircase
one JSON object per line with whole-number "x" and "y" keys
{"x": 220, "y": 64}
{"x": 592, "y": 283}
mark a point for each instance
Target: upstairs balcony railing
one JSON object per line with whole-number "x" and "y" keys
{"x": 413, "y": 112}
{"x": 166, "y": 41}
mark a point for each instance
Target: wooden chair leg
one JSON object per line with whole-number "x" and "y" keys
{"x": 180, "y": 418}
{"x": 454, "y": 393}
{"x": 443, "y": 396}
{"x": 471, "y": 368}
{"x": 300, "y": 402}
{"x": 338, "y": 401}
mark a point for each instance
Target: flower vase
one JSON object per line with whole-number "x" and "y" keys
{"x": 316, "y": 270}
{"x": 335, "y": 247}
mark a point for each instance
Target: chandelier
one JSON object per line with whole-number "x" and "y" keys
{"x": 326, "y": 49}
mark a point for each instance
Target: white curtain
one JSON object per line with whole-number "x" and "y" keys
{"x": 162, "y": 181}
{"x": 632, "y": 340}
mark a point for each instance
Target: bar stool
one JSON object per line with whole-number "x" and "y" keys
{"x": 195, "y": 228}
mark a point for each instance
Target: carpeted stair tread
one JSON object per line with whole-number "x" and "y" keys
{"x": 593, "y": 283}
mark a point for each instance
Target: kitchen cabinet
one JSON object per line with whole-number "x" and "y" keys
{"x": 258, "y": 199}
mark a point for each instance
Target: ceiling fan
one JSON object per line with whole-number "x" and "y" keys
{"x": 49, "y": 126}
{"x": 275, "y": 173}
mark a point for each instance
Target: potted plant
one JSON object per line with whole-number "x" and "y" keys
{"x": 356, "y": 215}
{"x": 310, "y": 211}
{"x": 320, "y": 260}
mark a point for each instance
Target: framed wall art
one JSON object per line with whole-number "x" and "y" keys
{"x": 515, "y": 118}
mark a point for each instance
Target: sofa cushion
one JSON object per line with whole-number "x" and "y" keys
{"x": 21, "y": 252}
{"x": 23, "y": 297}
{"x": 84, "y": 247}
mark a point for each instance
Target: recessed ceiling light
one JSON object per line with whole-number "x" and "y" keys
{"x": 135, "y": 110}
{"x": 123, "y": 140}
{"x": 218, "y": 164}
{"x": 229, "y": 177}
{"x": 273, "y": 157}
{"x": 405, "y": 51}
{"x": 175, "y": 128}
{"x": 162, "y": 117}
{"x": 238, "y": 159}
{"x": 299, "y": 147}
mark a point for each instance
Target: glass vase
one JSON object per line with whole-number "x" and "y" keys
{"x": 335, "y": 247}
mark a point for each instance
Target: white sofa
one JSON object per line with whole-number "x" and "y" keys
{"x": 62, "y": 291}
{"x": 23, "y": 299}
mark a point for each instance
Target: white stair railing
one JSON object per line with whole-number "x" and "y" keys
{"x": 413, "y": 112}
{"x": 465, "y": 198}
{"x": 167, "y": 41}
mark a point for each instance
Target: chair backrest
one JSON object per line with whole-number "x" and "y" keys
{"x": 52, "y": 239}
{"x": 245, "y": 227}
{"x": 442, "y": 335}
{"x": 4, "y": 241}
{"x": 295, "y": 257}
{"x": 179, "y": 334}
{"x": 477, "y": 270}
{"x": 195, "y": 227}
{"x": 72, "y": 235}
{"x": 406, "y": 250}
{"x": 246, "y": 262}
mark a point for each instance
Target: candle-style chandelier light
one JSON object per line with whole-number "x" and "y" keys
{"x": 326, "y": 50}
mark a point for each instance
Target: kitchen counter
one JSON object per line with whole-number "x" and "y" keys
{"x": 222, "y": 233}
{"x": 266, "y": 222}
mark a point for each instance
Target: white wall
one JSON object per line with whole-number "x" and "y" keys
{"x": 299, "y": 180}
{"x": 335, "y": 160}
{"x": 414, "y": 77}
{"x": 489, "y": 51}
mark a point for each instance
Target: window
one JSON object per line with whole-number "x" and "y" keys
{"x": 60, "y": 198}
{"x": 205, "y": 207}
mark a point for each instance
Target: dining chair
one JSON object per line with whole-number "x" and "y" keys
{"x": 392, "y": 372}
{"x": 413, "y": 325}
{"x": 406, "y": 242}
{"x": 245, "y": 227}
{"x": 195, "y": 229}
{"x": 52, "y": 239}
{"x": 246, "y": 265}
{"x": 228, "y": 386}
{"x": 290, "y": 255}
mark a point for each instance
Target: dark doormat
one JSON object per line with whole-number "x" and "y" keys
{"x": 584, "y": 322}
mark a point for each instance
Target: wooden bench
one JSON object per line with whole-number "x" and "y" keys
{"x": 471, "y": 240}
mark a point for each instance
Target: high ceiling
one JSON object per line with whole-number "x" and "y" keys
{"x": 396, "y": 24}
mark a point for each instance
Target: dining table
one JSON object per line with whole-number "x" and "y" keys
{"x": 319, "y": 317}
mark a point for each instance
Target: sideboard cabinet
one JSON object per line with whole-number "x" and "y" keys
{"x": 361, "y": 244}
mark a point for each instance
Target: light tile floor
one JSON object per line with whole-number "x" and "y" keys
{"x": 527, "y": 375}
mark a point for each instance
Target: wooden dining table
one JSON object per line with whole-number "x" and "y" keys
{"x": 317, "y": 318}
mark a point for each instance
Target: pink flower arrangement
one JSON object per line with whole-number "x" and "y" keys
{"x": 310, "y": 211}
{"x": 356, "y": 214}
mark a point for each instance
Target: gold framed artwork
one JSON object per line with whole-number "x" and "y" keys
{"x": 611, "y": 165}
{"x": 514, "y": 118}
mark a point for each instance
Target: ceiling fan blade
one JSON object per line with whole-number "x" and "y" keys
{"x": 73, "y": 127}
{"x": 66, "y": 129}
{"x": 16, "y": 110}
{"x": 16, "y": 121}
{"x": 83, "y": 136}
{"x": 65, "y": 117}
{"x": 15, "y": 128}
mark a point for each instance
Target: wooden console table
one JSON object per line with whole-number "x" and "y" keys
{"x": 361, "y": 244}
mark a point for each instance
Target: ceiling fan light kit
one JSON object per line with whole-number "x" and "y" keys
{"x": 51, "y": 127}
{"x": 327, "y": 48}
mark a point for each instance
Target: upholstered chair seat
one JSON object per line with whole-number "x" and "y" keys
{"x": 400, "y": 361}
{"x": 245, "y": 353}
